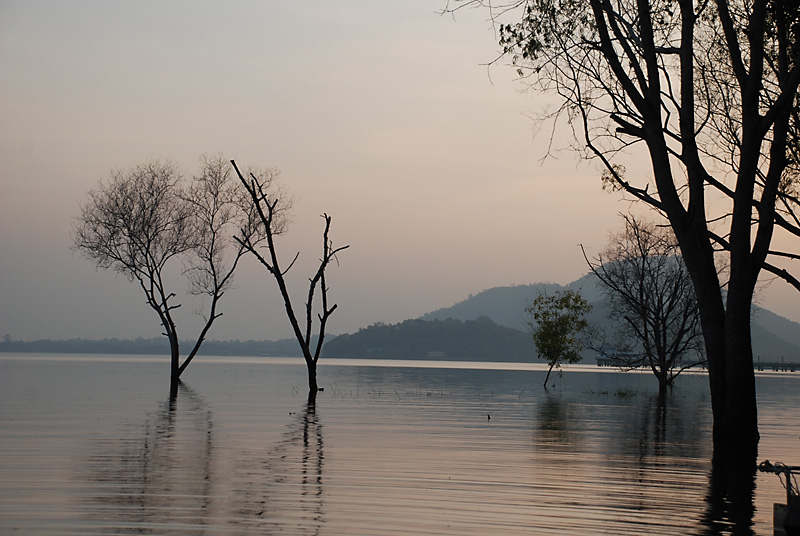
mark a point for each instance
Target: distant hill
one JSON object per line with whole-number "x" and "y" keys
{"x": 504, "y": 305}
{"x": 774, "y": 337}
{"x": 480, "y": 339}
{"x": 487, "y": 326}
{"x": 777, "y": 325}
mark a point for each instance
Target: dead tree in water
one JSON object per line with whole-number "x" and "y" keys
{"x": 653, "y": 305}
{"x": 269, "y": 209}
{"x": 140, "y": 221}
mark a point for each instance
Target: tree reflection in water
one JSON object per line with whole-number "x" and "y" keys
{"x": 556, "y": 424}
{"x": 668, "y": 429}
{"x": 161, "y": 477}
{"x": 669, "y": 432}
{"x": 731, "y": 491}
{"x": 284, "y": 491}
{"x": 646, "y": 456}
{"x": 169, "y": 476}
{"x": 594, "y": 456}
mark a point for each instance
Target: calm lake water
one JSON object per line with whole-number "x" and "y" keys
{"x": 95, "y": 445}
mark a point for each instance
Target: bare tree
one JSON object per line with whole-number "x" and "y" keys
{"x": 216, "y": 200}
{"x": 653, "y": 305}
{"x": 143, "y": 220}
{"x": 709, "y": 92}
{"x": 270, "y": 212}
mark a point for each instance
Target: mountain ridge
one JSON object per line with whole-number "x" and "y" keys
{"x": 774, "y": 337}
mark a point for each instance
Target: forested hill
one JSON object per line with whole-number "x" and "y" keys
{"x": 506, "y": 305}
{"x": 503, "y": 305}
{"x": 774, "y": 337}
{"x": 487, "y": 326}
{"x": 472, "y": 340}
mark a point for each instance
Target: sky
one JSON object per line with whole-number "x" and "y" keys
{"x": 384, "y": 115}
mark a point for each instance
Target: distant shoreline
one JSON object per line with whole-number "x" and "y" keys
{"x": 154, "y": 346}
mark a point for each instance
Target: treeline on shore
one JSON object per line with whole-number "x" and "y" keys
{"x": 159, "y": 345}
{"x": 450, "y": 339}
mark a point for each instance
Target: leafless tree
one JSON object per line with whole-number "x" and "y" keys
{"x": 142, "y": 221}
{"x": 653, "y": 305}
{"x": 708, "y": 91}
{"x": 270, "y": 211}
{"x": 219, "y": 209}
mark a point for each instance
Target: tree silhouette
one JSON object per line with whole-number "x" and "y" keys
{"x": 652, "y": 300}
{"x": 708, "y": 91}
{"x": 142, "y": 221}
{"x": 269, "y": 210}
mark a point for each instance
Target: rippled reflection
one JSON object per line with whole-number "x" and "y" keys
{"x": 557, "y": 423}
{"x": 618, "y": 461}
{"x": 170, "y": 476}
{"x": 89, "y": 447}
{"x": 281, "y": 489}
{"x": 160, "y": 476}
{"x": 731, "y": 488}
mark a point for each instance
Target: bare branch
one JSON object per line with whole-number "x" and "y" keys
{"x": 268, "y": 208}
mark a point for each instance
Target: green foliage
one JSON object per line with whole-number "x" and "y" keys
{"x": 544, "y": 25}
{"x": 557, "y": 321}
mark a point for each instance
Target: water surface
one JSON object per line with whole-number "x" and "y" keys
{"x": 96, "y": 445}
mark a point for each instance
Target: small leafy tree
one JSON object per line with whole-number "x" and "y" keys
{"x": 269, "y": 208}
{"x": 557, "y": 322}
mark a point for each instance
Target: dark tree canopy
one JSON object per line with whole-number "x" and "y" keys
{"x": 708, "y": 92}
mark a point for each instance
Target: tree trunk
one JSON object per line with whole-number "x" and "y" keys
{"x": 714, "y": 335}
{"x": 662, "y": 382}
{"x": 311, "y": 404}
{"x": 175, "y": 369}
{"x": 548, "y": 375}
{"x": 740, "y": 421}
{"x": 173, "y": 393}
{"x": 699, "y": 260}
{"x": 729, "y": 353}
{"x": 312, "y": 376}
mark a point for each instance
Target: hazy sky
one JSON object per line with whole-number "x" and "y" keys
{"x": 382, "y": 114}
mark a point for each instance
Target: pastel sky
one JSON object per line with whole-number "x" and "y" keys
{"x": 382, "y": 114}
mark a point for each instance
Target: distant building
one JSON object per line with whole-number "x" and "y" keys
{"x": 609, "y": 356}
